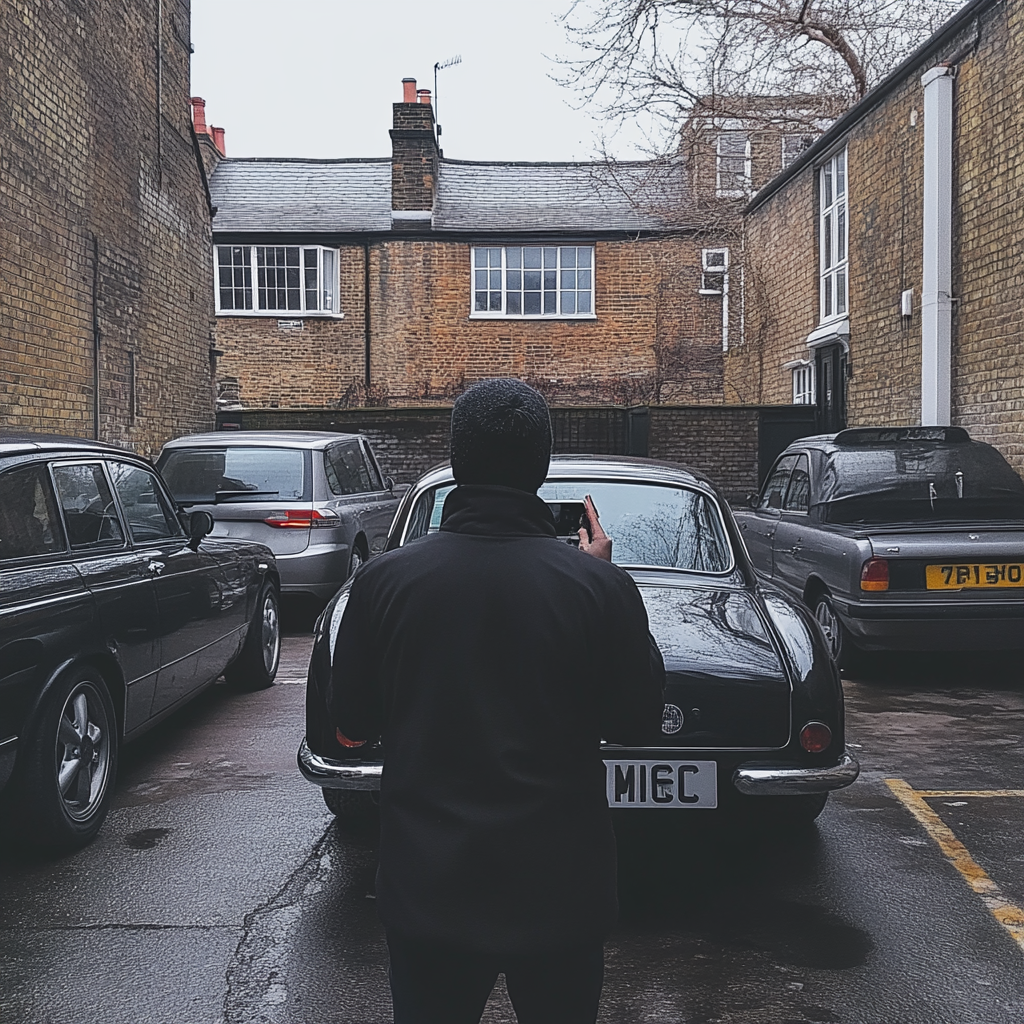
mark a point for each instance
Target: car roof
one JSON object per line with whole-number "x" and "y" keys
{"x": 609, "y": 467}
{"x": 262, "y": 438}
{"x": 27, "y": 443}
{"x": 881, "y": 437}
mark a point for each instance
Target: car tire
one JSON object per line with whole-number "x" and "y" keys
{"x": 66, "y": 778}
{"x": 356, "y": 559}
{"x": 255, "y": 668}
{"x": 846, "y": 653}
{"x": 350, "y": 805}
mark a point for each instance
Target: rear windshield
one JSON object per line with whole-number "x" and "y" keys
{"x": 919, "y": 483}
{"x": 650, "y": 524}
{"x": 236, "y": 474}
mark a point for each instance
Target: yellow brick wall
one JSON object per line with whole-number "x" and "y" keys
{"x": 885, "y": 166}
{"x": 85, "y": 156}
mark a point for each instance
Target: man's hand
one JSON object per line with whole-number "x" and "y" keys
{"x": 598, "y": 544}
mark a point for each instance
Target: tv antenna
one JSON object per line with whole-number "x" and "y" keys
{"x": 440, "y": 66}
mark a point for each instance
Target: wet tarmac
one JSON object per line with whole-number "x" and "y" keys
{"x": 220, "y": 889}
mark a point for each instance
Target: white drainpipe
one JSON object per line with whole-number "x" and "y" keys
{"x": 936, "y": 301}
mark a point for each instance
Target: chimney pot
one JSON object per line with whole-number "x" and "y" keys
{"x": 408, "y": 90}
{"x": 199, "y": 115}
{"x": 218, "y": 140}
{"x": 424, "y": 96}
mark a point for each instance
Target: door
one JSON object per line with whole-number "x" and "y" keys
{"x": 385, "y": 503}
{"x": 187, "y": 583}
{"x": 759, "y": 525}
{"x": 789, "y": 558}
{"x": 830, "y": 370}
{"x": 355, "y": 479}
{"x": 118, "y": 577}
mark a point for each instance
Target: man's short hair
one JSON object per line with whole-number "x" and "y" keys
{"x": 501, "y": 434}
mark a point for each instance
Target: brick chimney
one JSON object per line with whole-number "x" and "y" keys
{"x": 414, "y": 159}
{"x": 211, "y": 140}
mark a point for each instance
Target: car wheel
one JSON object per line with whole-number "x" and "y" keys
{"x": 840, "y": 644}
{"x": 356, "y": 559}
{"x": 349, "y": 805}
{"x": 66, "y": 780}
{"x": 256, "y": 667}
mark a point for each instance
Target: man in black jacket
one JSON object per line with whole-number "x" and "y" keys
{"x": 492, "y": 659}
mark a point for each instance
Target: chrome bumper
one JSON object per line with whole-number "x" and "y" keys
{"x": 753, "y": 780}
{"x": 330, "y": 774}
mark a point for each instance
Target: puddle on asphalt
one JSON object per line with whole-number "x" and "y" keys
{"x": 145, "y": 838}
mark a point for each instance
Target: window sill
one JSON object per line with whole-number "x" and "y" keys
{"x": 279, "y": 314}
{"x": 536, "y": 316}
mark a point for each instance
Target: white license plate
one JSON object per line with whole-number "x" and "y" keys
{"x": 676, "y": 784}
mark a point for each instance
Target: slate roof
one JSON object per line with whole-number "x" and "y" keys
{"x": 302, "y": 195}
{"x": 339, "y": 196}
{"x": 558, "y": 197}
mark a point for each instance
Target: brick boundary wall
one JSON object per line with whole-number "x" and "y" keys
{"x": 726, "y": 443}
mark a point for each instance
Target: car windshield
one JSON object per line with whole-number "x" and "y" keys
{"x": 650, "y": 524}
{"x": 923, "y": 482}
{"x": 234, "y": 474}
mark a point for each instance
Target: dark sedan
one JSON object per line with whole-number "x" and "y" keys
{"x": 114, "y": 611}
{"x": 898, "y": 538}
{"x": 753, "y": 716}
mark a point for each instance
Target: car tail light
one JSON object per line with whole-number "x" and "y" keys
{"x": 875, "y": 574}
{"x": 815, "y": 737}
{"x": 302, "y": 518}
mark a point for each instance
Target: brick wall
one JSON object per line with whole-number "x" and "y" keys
{"x": 103, "y": 216}
{"x": 885, "y": 154}
{"x": 726, "y": 443}
{"x": 654, "y": 339}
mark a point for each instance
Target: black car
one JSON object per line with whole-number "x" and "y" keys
{"x": 898, "y": 538}
{"x": 753, "y": 714}
{"x": 114, "y": 611}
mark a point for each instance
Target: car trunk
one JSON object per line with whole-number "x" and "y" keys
{"x": 722, "y": 671}
{"x": 253, "y": 492}
{"x": 989, "y": 558}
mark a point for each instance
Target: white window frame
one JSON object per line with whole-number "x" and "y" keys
{"x": 833, "y": 239}
{"x": 327, "y": 281}
{"x": 803, "y": 384}
{"x": 504, "y": 269}
{"x": 714, "y": 265}
{"x": 727, "y": 192}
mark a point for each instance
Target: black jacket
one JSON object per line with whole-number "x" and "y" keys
{"x": 492, "y": 659}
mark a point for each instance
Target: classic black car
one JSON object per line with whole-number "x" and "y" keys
{"x": 754, "y": 710}
{"x": 898, "y": 538}
{"x": 114, "y": 611}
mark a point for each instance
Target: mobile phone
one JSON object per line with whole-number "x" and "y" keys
{"x": 585, "y": 519}
{"x": 569, "y": 516}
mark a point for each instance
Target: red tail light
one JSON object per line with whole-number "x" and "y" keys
{"x": 875, "y": 574}
{"x": 301, "y": 518}
{"x": 815, "y": 737}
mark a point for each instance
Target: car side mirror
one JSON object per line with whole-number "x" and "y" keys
{"x": 752, "y": 499}
{"x": 200, "y": 525}
{"x": 389, "y": 483}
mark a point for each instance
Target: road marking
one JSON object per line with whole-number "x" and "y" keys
{"x": 1008, "y": 914}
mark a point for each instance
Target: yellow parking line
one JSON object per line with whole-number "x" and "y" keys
{"x": 929, "y": 793}
{"x": 1008, "y": 914}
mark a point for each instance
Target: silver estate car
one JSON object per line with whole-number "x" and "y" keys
{"x": 317, "y": 499}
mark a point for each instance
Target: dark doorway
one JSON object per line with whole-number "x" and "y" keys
{"x": 830, "y": 382}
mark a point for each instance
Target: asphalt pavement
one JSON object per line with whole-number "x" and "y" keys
{"x": 220, "y": 889}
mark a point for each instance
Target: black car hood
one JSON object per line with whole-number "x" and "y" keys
{"x": 723, "y": 673}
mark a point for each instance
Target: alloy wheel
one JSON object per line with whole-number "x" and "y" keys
{"x": 271, "y": 636}
{"x": 830, "y": 626}
{"x": 82, "y": 751}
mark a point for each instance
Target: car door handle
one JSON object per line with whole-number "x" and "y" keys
{"x": 795, "y": 550}
{"x": 156, "y": 568}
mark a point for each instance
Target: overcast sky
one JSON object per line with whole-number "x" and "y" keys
{"x": 317, "y": 78}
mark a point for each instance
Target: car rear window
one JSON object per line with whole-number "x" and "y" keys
{"x": 236, "y": 474}
{"x": 921, "y": 482}
{"x": 650, "y": 524}
{"x": 29, "y": 523}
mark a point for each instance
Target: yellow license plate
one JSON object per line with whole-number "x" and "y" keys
{"x": 974, "y": 574}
